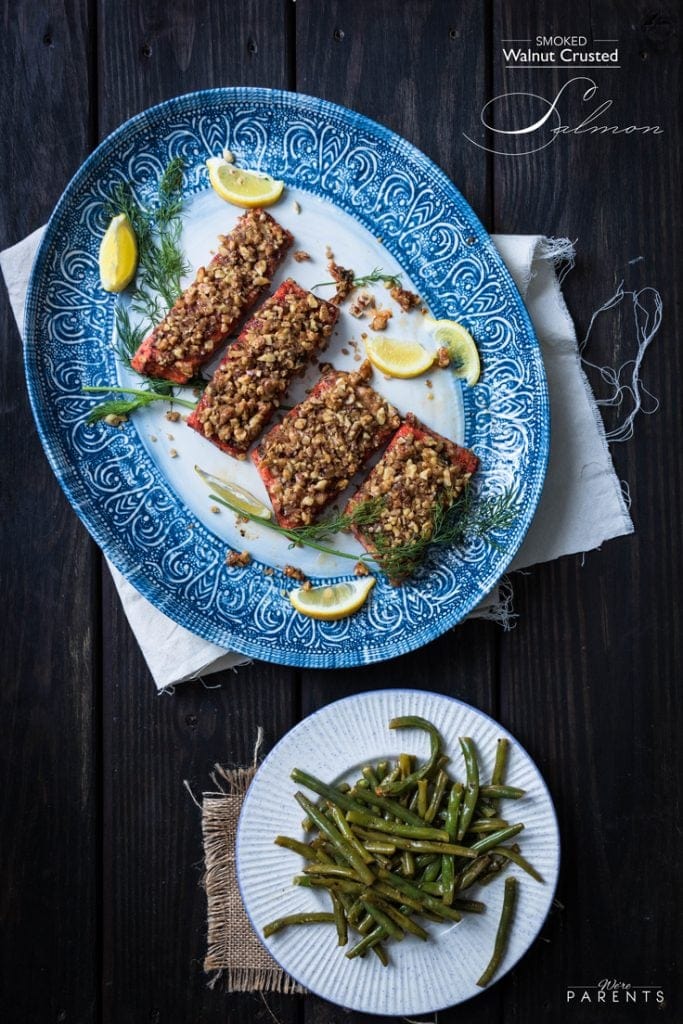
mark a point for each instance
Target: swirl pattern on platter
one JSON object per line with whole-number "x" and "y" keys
{"x": 138, "y": 520}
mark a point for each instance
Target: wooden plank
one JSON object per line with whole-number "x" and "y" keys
{"x": 416, "y": 86}
{"x": 48, "y": 565}
{"x": 588, "y": 675}
{"x": 154, "y": 910}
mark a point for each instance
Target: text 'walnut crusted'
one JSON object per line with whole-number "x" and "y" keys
{"x": 419, "y": 472}
{"x": 310, "y": 458}
{"x": 289, "y": 329}
{"x": 207, "y": 311}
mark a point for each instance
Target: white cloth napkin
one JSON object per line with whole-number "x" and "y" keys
{"x": 582, "y": 503}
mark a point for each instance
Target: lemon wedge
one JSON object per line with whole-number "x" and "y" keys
{"x": 118, "y": 254}
{"x": 398, "y": 358}
{"x": 333, "y": 602}
{"x": 238, "y": 497}
{"x": 240, "y": 187}
{"x": 461, "y": 348}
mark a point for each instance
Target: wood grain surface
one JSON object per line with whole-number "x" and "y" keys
{"x": 103, "y": 916}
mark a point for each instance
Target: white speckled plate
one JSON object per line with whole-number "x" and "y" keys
{"x": 334, "y": 743}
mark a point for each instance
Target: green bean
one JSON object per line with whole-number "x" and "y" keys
{"x": 470, "y": 906}
{"x": 396, "y": 827}
{"x": 370, "y": 777}
{"x": 339, "y": 920}
{"x": 390, "y": 893}
{"x": 332, "y": 871}
{"x": 516, "y": 858}
{"x": 336, "y": 838}
{"x": 437, "y": 796}
{"x": 345, "y": 829}
{"x": 487, "y": 825}
{"x": 392, "y": 807}
{"x": 472, "y": 788}
{"x": 496, "y": 838}
{"x": 500, "y": 765}
{"x": 303, "y": 849}
{"x": 307, "y": 824}
{"x": 433, "y": 888}
{"x": 308, "y": 918}
{"x": 407, "y": 864}
{"x": 379, "y": 917}
{"x": 382, "y": 769}
{"x": 485, "y": 807}
{"x": 422, "y": 788}
{"x": 416, "y": 893}
{"x": 502, "y": 792}
{"x": 423, "y": 859}
{"x": 420, "y": 845}
{"x": 402, "y": 919}
{"x": 322, "y": 789}
{"x": 413, "y": 722}
{"x": 503, "y": 932}
{"x": 432, "y": 871}
{"x": 367, "y": 942}
{"x": 472, "y": 873}
{"x": 341, "y": 885}
{"x": 376, "y": 846}
{"x": 451, "y": 826}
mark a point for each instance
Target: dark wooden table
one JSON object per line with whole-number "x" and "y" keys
{"x": 102, "y": 914}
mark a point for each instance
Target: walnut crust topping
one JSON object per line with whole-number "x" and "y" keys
{"x": 295, "y": 574}
{"x": 380, "y": 319}
{"x": 237, "y": 559}
{"x": 310, "y": 458}
{"x": 344, "y": 279}
{"x": 208, "y": 310}
{"x": 364, "y": 301}
{"x": 289, "y": 329}
{"x": 419, "y": 471}
{"x": 406, "y": 300}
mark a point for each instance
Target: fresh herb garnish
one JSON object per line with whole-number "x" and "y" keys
{"x": 161, "y": 266}
{"x": 394, "y": 280}
{"x": 470, "y": 517}
{"x": 121, "y": 407}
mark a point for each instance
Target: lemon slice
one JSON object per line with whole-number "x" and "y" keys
{"x": 238, "y": 497}
{"x": 333, "y": 602}
{"x": 461, "y": 348}
{"x": 242, "y": 188}
{"x": 118, "y": 254}
{"x": 398, "y": 358}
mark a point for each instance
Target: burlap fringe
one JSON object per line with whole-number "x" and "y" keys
{"x": 235, "y": 957}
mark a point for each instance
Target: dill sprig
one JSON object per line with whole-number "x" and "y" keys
{"x": 469, "y": 517}
{"x": 310, "y": 536}
{"x": 161, "y": 266}
{"x": 392, "y": 280}
{"x": 122, "y": 407}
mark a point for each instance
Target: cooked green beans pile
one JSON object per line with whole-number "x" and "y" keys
{"x": 404, "y": 842}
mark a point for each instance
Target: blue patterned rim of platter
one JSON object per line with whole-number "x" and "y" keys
{"x": 140, "y": 523}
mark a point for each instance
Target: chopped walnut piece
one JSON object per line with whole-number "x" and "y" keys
{"x": 238, "y": 559}
{"x": 361, "y": 569}
{"x": 443, "y": 358}
{"x": 172, "y": 416}
{"x": 214, "y": 508}
{"x": 301, "y": 256}
{"x": 329, "y": 255}
{"x": 113, "y": 420}
{"x": 363, "y": 301}
{"x": 406, "y": 300}
{"x": 295, "y": 574}
{"x": 380, "y": 319}
{"x": 173, "y": 453}
{"x": 344, "y": 279}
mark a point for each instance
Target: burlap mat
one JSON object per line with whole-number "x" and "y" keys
{"x": 235, "y": 956}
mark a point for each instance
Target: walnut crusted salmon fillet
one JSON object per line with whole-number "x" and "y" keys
{"x": 420, "y": 472}
{"x": 210, "y": 308}
{"x": 287, "y": 332}
{"x": 310, "y": 458}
